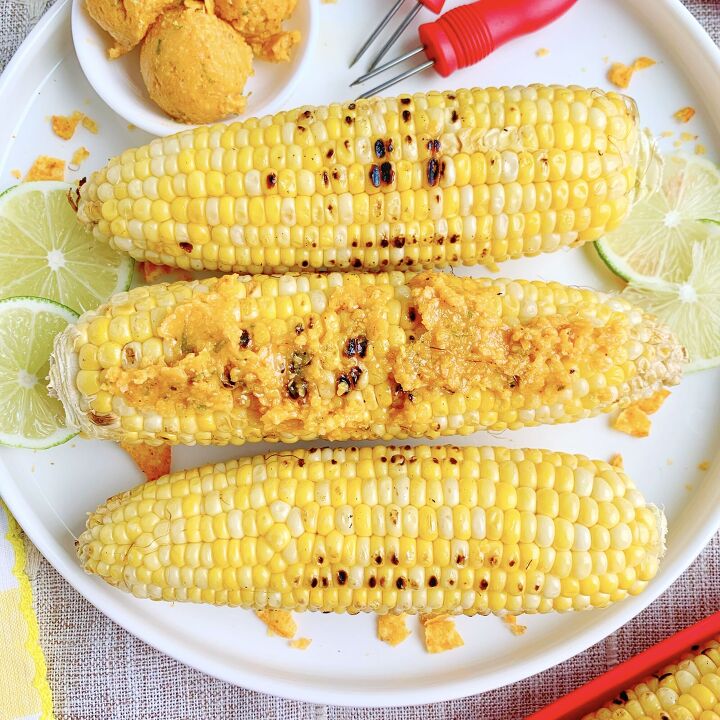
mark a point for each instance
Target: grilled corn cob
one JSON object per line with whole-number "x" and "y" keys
{"x": 353, "y": 356}
{"x": 688, "y": 690}
{"x": 384, "y": 529}
{"x": 419, "y": 181}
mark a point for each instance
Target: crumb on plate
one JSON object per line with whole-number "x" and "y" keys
{"x": 46, "y": 167}
{"x": 392, "y": 629}
{"x": 302, "y": 643}
{"x": 688, "y": 487}
{"x": 653, "y": 403}
{"x": 700, "y": 149}
{"x": 16, "y": 173}
{"x": 79, "y": 157}
{"x": 542, "y": 52}
{"x": 89, "y": 124}
{"x": 64, "y": 126}
{"x": 669, "y": 461}
{"x": 678, "y": 144}
{"x": 687, "y": 137}
{"x": 633, "y": 421}
{"x": 704, "y": 465}
{"x": 617, "y": 461}
{"x": 153, "y": 461}
{"x": 684, "y": 114}
{"x": 666, "y": 133}
{"x": 513, "y": 625}
{"x": 279, "y": 622}
{"x": 440, "y": 633}
{"x": 131, "y": 127}
{"x": 620, "y": 74}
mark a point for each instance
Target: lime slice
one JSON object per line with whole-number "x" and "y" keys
{"x": 690, "y": 308}
{"x": 29, "y": 417}
{"x": 655, "y": 241}
{"x": 46, "y": 252}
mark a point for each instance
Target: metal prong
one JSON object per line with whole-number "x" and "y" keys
{"x": 396, "y": 35}
{"x": 397, "y": 79}
{"x": 387, "y": 66}
{"x": 377, "y": 31}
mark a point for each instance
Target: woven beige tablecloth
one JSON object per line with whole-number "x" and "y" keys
{"x": 98, "y": 671}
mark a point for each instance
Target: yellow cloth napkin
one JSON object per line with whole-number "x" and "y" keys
{"x": 24, "y": 690}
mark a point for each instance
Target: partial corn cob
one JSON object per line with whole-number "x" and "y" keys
{"x": 385, "y": 529}
{"x": 688, "y": 690}
{"x": 353, "y": 356}
{"x": 419, "y": 181}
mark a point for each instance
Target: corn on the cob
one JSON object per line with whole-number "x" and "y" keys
{"x": 688, "y": 690}
{"x": 384, "y": 529}
{"x": 353, "y": 356}
{"x": 419, "y": 181}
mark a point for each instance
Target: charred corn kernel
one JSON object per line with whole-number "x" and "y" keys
{"x": 235, "y": 359}
{"x": 451, "y": 160}
{"x": 686, "y": 690}
{"x": 362, "y": 551}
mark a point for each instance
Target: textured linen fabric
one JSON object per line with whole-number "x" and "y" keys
{"x": 97, "y": 671}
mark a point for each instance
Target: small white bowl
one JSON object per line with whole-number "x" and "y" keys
{"x": 119, "y": 83}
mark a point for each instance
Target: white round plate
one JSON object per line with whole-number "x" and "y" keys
{"x": 50, "y": 492}
{"x": 119, "y": 83}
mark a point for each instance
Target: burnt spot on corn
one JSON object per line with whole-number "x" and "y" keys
{"x": 271, "y": 180}
{"x": 101, "y": 420}
{"x": 329, "y": 153}
{"x": 433, "y": 581}
{"x": 432, "y": 171}
{"x": 343, "y": 385}
{"x": 406, "y": 115}
{"x": 244, "y": 341}
{"x": 389, "y": 146}
{"x": 186, "y": 247}
{"x": 400, "y": 583}
{"x": 394, "y": 559}
{"x": 297, "y": 388}
{"x": 356, "y": 346}
{"x": 454, "y": 116}
{"x": 398, "y": 242}
{"x": 379, "y": 149}
{"x": 226, "y": 376}
{"x": 372, "y": 582}
{"x": 314, "y": 582}
{"x": 405, "y": 101}
{"x": 374, "y": 175}
{"x": 412, "y": 314}
{"x": 433, "y": 145}
{"x": 326, "y": 178}
{"x": 342, "y": 577}
{"x": 299, "y": 329}
{"x": 384, "y": 242}
{"x": 387, "y": 173}
{"x": 348, "y": 120}
{"x": 357, "y": 263}
{"x": 352, "y": 106}
{"x": 484, "y": 584}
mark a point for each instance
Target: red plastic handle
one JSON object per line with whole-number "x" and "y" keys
{"x": 467, "y": 34}
{"x": 433, "y": 5}
{"x": 592, "y": 696}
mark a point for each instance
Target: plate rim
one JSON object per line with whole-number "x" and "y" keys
{"x": 112, "y": 603}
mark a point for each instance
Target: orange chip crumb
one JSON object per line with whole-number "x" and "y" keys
{"x": 633, "y": 421}
{"x": 300, "y": 644}
{"x": 617, "y": 461}
{"x": 513, "y": 625}
{"x": 79, "y": 156}
{"x": 542, "y": 52}
{"x": 685, "y": 114}
{"x": 279, "y": 622}
{"x": 700, "y": 149}
{"x": 704, "y": 465}
{"x": 392, "y": 629}
{"x": 46, "y": 168}
{"x": 153, "y": 461}
{"x": 620, "y": 74}
{"x": 441, "y": 634}
{"x": 64, "y": 126}
{"x": 653, "y": 403}
{"x": 89, "y": 124}
{"x": 16, "y": 173}
{"x": 666, "y": 133}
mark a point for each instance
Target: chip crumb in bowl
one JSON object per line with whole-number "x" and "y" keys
{"x": 684, "y": 114}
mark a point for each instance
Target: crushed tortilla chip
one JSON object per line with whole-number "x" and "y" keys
{"x": 687, "y": 137}
{"x": 79, "y": 157}
{"x": 513, "y": 625}
{"x": 685, "y": 114}
{"x": 46, "y": 168}
{"x": 153, "y": 461}
{"x": 89, "y": 124}
{"x": 620, "y": 74}
{"x": 542, "y": 52}
{"x": 633, "y": 421}
{"x": 617, "y": 461}
{"x": 279, "y": 622}
{"x": 16, "y": 173}
{"x": 653, "y": 403}
{"x": 440, "y": 633}
{"x": 64, "y": 126}
{"x": 300, "y": 644}
{"x": 666, "y": 133}
{"x": 700, "y": 149}
{"x": 392, "y": 629}
{"x": 704, "y": 465}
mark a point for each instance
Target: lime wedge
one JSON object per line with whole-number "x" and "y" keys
{"x": 46, "y": 252}
{"x": 655, "y": 242}
{"x": 691, "y": 308}
{"x": 29, "y": 417}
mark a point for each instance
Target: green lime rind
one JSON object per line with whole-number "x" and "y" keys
{"x": 46, "y": 252}
{"x": 29, "y": 417}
